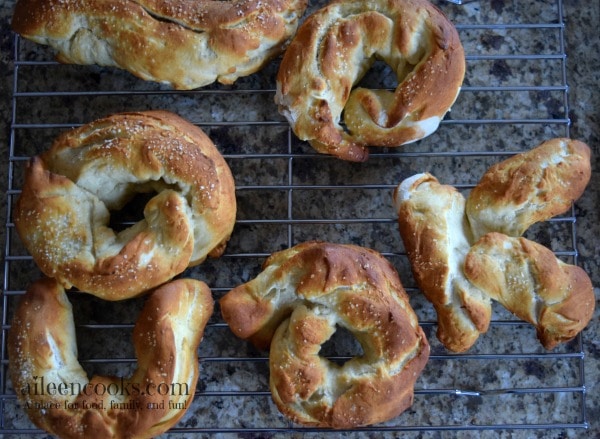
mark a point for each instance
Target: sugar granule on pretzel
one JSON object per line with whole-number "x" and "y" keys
{"x": 42, "y": 351}
{"x": 294, "y": 306}
{"x": 183, "y": 43}
{"x": 337, "y": 45}
{"x": 63, "y": 213}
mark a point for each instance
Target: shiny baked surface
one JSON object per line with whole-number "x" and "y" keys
{"x": 185, "y": 44}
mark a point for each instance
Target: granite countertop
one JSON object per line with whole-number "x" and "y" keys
{"x": 287, "y": 194}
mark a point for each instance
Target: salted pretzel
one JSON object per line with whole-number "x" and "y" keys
{"x": 527, "y": 279}
{"x": 183, "y": 43}
{"x": 530, "y": 187}
{"x": 42, "y": 351}
{"x": 63, "y": 213}
{"x": 436, "y": 236}
{"x": 336, "y": 46}
{"x": 294, "y": 306}
{"x": 462, "y": 257}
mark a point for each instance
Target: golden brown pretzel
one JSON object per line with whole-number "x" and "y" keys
{"x": 529, "y": 281}
{"x": 530, "y": 187}
{"x": 63, "y": 212}
{"x": 294, "y": 305}
{"x": 436, "y": 236}
{"x": 460, "y": 276}
{"x": 336, "y": 46}
{"x": 183, "y": 43}
{"x": 56, "y": 392}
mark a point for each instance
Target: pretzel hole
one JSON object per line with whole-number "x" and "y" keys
{"x": 380, "y": 75}
{"x": 131, "y": 213}
{"x": 128, "y": 209}
{"x": 342, "y": 346}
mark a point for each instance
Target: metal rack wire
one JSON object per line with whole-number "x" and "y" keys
{"x": 515, "y": 95}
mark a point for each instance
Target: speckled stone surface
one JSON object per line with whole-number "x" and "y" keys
{"x": 245, "y": 125}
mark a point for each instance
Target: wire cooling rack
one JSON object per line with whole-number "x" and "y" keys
{"x": 515, "y": 95}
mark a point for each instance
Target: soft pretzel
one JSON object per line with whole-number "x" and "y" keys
{"x": 439, "y": 229}
{"x": 336, "y": 46}
{"x": 437, "y": 238}
{"x": 294, "y": 306}
{"x": 529, "y": 281}
{"x": 530, "y": 187}
{"x": 63, "y": 212}
{"x": 56, "y": 392}
{"x": 183, "y": 43}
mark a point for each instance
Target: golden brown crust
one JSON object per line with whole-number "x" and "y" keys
{"x": 55, "y": 390}
{"x": 333, "y": 49}
{"x": 529, "y": 281}
{"x": 294, "y": 306}
{"x": 530, "y": 187}
{"x": 436, "y": 237}
{"x": 63, "y": 212}
{"x": 439, "y": 229}
{"x": 186, "y": 44}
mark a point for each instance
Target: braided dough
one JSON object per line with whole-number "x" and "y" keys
{"x": 337, "y": 45}
{"x": 183, "y": 43}
{"x": 63, "y": 213}
{"x": 462, "y": 254}
{"x": 43, "y": 352}
{"x": 294, "y": 306}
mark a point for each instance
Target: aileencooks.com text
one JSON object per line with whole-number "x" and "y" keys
{"x": 40, "y": 386}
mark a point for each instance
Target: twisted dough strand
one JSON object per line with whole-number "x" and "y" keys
{"x": 337, "y": 45}
{"x": 527, "y": 279}
{"x": 460, "y": 260}
{"x": 530, "y": 187}
{"x": 436, "y": 236}
{"x": 186, "y": 44}
{"x": 42, "y": 350}
{"x": 294, "y": 306}
{"x": 63, "y": 212}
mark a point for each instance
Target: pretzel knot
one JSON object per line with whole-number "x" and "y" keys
{"x": 57, "y": 393}
{"x": 64, "y": 211}
{"x": 185, "y": 44}
{"x": 337, "y": 45}
{"x": 295, "y": 305}
{"x": 466, "y": 252}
